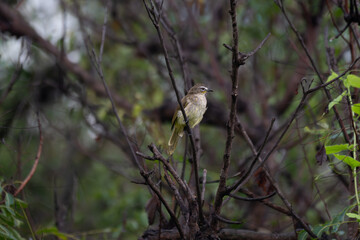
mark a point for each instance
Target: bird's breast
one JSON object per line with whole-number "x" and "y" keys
{"x": 194, "y": 110}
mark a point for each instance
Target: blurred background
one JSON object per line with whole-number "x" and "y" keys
{"x": 86, "y": 185}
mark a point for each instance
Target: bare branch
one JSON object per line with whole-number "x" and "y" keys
{"x": 36, "y": 162}
{"x": 232, "y": 118}
{"x": 153, "y": 18}
{"x": 252, "y": 199}
{"x": 222, "y": 219}
{"x": 203, "y": 185}
{"x": 301, "y": 40}
{"x": 153, "y": 187}
{"x": 179, "y": 200}
{"x": 251, "y": 235}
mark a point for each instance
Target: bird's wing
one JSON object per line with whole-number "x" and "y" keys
{"x": 184, "y": 102}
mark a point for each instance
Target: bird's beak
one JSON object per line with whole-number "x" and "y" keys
{"x": 209, "y": 90}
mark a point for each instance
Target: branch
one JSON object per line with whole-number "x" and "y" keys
{"x": 180, "y": 201}
{"x": 242, "y": 57}
{"x": 12, "y": 21}
{"x": 97, "y": 63}
{"x": 311, "y": 90}
{"x": 262, "y": 162}
{"x": 153, "y": 187}
{"x": 157, "y": 156}
{"x": 154, "y": 19}
{"x": 252, "y": 235}
{"x": 253, "y": 199}
{"x": 232, "y": 118}
{"x": 327, "y": 93}
{"x": 203, "y": 185}
{"x": 224, "y": 220}
{"x": 36, "y": 162}
{"x": 268, "y": 203}
{"x": 238, "y": 184}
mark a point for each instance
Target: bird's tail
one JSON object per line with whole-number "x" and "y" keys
{"x": 176, "y": 134}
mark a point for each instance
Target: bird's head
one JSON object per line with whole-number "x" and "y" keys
{"x": 199, "y": 88}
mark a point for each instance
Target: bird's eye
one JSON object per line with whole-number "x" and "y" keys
{"x": 203, "y": 88}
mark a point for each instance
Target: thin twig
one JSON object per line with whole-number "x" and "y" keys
{"x": 222, "y": 219}
{"x": 268, "y": 203}
{"x": 103, "y": 33}
{"x": 232, "y": 118}
{"x": 254, "y": 199}
{"x": 153, "y": 187}
{"x": 334, "y": 22}
{"x": 311, "y": 90}
{"x": 270, "y": 178}
{"x": 244, "y": 178}
{"x": 182, "y": 63}
{"x": 143, "y": 173}
{"x": 179, "y": 200}
{"x": 36, "y": 162}
{"x": 184, "y": 159}
{"x": 153, "y": 18}
{"x": 301, "y": 40}
{"x": 203, "y": 185}
{"x": 108, "y": 92}
{"x": 313, "y": 175}
{"x": 158, "y": 156}
{"x": 15, "y": 76}
{"x": 243, "y": 57}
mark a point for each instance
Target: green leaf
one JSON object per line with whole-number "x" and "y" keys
{"x": 319, "y": 229}
{"x": 7, "y": 232}
{"x": 336, "y": 148}
{"x": 348, "y": 160}
{"x": 353, "y": 80}
{"x": 21, "y": 203}
{"x": 356, "y": 108}
{"x": 52, "y": 231}
{"x": 9, "y": 199}
{"x": 302, "y": 235}
{"x": 336, "y": 100}
{"x": 353, "y": 215}
{"x": 332, "y": 76}
{"x": 338, "y": 220}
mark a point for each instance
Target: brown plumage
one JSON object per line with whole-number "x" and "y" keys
{"x": 194, "y": 104}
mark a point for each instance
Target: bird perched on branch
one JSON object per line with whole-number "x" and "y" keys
{"x": 194, "y": 104}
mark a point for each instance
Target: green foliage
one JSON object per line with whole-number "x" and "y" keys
{"x": 353, "y": 81}
{"x": 353, "y": 215}
{"x": 103, "y": 202}
{"x": 348, "y": 160}
{"x": 10, "y": 218}
{"x": 331, "y": 149}
{"x": 349, "y": 81}
{"x": 53, "y": 231}
{"x": 356, "y": 108}
{"x": 328, "y": 228}
{"x": 337, "y": 100}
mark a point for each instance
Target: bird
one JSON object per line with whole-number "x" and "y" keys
{"x": 194, "y": 104}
